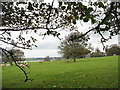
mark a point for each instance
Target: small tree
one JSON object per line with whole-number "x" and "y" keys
{"x": 47, "y": 58}
{"x": 73, "y": 46}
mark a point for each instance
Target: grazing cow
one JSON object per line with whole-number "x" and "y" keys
{"x": 67, "y": 61}
{"x": 24, "y": 65}
{"x": 2, "y": 65}
{"x": 5, "y": 65}
{"x": 8, "y": 65}
{"x": 40, "y": 62}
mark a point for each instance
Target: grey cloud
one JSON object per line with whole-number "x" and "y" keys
{"x": 48, "y": 43}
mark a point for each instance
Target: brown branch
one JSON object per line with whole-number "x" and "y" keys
{"x": 14, "y": 45}
{"x": 11, "y": 54}
{"x": 98, "y": 26}
{"x": 3, "y": 32}
{"x": 109, "y": 12}
{"x": 23, "y": 29}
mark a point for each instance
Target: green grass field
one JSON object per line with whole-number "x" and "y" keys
{"x": 99, "y": 72}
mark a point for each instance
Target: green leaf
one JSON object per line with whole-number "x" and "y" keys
{"x": 100, "y": 4}
{"x": 28, "y": 41}
{"x": 30, "y": 6}
{"x": 35, "y": 45}
{"x": 8, "y": 39}
{"x": 36, "y": 14}
{"x": 60, "y": 4}
{"x": 81, "y": 17}
{"x": 35, "y": 31}
{"x": 77, "y": 17}
{"x": 90, "y": 9}
{"x": 84, "y": 8}
{"x": 74, "y": 21}
{"x": 80, "y": 5}
{"x": 56, "y": 11}
{"x": 63, "y": 7}
{"x": 93, "y": 20}
{"x": 70, "y": 17}
{"x": 86, "y": 19}
{"x": 69, "y": 7}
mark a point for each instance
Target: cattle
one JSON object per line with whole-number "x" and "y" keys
{"x": 67, "y": 61}
{"x": 40, "y": 62}
{"x": 24, "y": 65}
{"x": 8, "y": 65}
{"x": 5, "y": 65}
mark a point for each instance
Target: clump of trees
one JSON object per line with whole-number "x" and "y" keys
{"x": 16, "y": 53}
{"x": 47, "y": 58}
{"x": 74, "y": 47}
{"x": 114, "y": 49}
{"x": 97, "y": 53}
{"x": 111, "y": 50}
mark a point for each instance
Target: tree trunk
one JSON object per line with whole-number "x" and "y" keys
{"x": 74, "y": 59}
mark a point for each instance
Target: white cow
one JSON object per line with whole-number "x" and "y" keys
{"x": 24, "y": 65}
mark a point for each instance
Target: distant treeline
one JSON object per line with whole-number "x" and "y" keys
{"x": 58, "y": 58}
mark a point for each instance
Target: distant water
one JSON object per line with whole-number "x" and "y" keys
{"x": 33, "y": 60}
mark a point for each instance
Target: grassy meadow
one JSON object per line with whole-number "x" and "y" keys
{"x": 100, "y": 72}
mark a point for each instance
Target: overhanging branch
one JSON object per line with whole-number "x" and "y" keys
{"x": 11, "y": 54}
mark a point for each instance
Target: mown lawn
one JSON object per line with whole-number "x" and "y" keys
{"x": 99, "y": 72}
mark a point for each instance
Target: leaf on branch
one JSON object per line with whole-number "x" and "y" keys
{"x": 30, "y": 7}
{"x": 28, "y": 41}
{"x": 100, "y": 5}
{"x": 35, "y": 45}
{"x": 90, "y": 9}
{"x": 60, "y": 4}
{"x": 86, "y": 19}
{"x": 63, "y": 7}
{"x": 35, "y": 31}
{"x": 8, "y": 39}
{"x": 74, "y": 21}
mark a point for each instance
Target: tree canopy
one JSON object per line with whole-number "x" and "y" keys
{"x": 98, "y": 53}
{"x": 113, "y": 50}
{"x": 47, "y": 58}
{"x": 74, "y": 47}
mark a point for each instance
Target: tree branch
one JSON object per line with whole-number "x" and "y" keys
{"x": 11, "y": 54}
{"x": 14, "y": 45}
{"x": 109, "y": 12}
{"x": 23, "y": 29}
{"x": 98, "y": 26}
